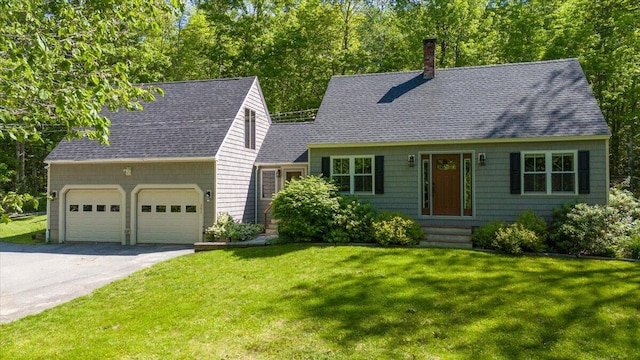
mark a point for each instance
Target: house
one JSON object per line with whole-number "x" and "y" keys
{"x": 453, "y": 148}
{"x": 168, "y": 169}
{"x": 463, "y": 146}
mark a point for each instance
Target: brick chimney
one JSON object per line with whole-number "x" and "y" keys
{"x": 429, "y": 47}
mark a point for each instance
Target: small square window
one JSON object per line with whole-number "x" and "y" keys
{"x": 115, "y": 208}
{"x": 146, "y": 208}
{"x": 74, "y": 208}
{"x": 101, "y": 208}
{"x": 87, "y": 208}
{"x": 161, "y": 208}
{"x": 176, "y": 208}
{"x": 190, "y": 208}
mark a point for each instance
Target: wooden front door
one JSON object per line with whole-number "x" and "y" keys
{"x": 445, "y": 184}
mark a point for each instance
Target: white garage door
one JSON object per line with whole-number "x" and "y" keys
{"x": 94, "y": 215}
{"x": 168, "y": 216}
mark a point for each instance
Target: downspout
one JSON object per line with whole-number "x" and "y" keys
{"x": 47, "y": 238}
{"x": 255, "y": 195}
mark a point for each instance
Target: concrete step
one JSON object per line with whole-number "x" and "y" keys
{"x": 453, "y": 245}
{"x": 447, "y": 236}
{"x": 449, "y": 230}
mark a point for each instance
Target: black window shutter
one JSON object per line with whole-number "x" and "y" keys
{"x": 583, "y": 172}
{"x": 515, "y": 173}
{"x": 379, "y": 176}
{"x": 326, "y": 166}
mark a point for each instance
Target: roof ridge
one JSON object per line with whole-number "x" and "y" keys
{"x": 197, "y": 81}
{"x": 527, "y": 63}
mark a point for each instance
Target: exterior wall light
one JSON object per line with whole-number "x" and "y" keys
{"x": 411, "y": 160}
{"x": 207, "y": 195}
{"x": 127, "y": 171}
{"x": 482, "y": 159}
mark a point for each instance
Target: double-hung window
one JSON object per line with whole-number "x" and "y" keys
{"x": 353, "y": 174}
{"x": 269, "y": 181}
{"x": 249, "y": 129}
{"x": 549, "y": 172}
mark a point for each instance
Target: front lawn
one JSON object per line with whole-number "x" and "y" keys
{"x": 20, "y": 230}
{"x": 302, "y": 302}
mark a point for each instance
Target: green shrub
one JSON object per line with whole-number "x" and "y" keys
{"x": 529, "y": 220}
{"x": 483, "y": 236}
{"x": 633, "y": 250}
{"x": 305, "y": 209}
{"x": 353, "y": 222}
{"x": 516, "y": 239}
{"x": 599, "y": 230}
{"x": 226, "y": 228}
{"x": 396, "y": 229}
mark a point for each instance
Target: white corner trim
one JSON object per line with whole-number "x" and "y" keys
{"x": 62, "y": 207}
{"x": 140, "y": 187}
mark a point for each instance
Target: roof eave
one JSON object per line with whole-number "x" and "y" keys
{"x": 459, "y": 141}
{"x": 133, "y": 160}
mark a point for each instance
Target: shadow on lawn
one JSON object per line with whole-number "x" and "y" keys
{"x": 472, "y": 303}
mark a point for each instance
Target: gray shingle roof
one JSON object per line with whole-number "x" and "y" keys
{"x": 190, "y": 121}
{"x": 538, "y": 99}
{"x": 285, "y": 143}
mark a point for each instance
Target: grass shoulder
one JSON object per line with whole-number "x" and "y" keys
{"x": 22, "y": 229}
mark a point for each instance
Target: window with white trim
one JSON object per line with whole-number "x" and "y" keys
{"x": 550, "y": 172}
{"x": 353, "y": 174}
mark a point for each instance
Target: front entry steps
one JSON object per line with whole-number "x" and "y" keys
{"x": 447, "y": 237}
{"x": 272, "y": 227}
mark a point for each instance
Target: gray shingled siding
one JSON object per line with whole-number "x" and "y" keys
{"x": 199, "y": 173}
{"x": 235, "y": 181}
{"x": 493, "y": 200}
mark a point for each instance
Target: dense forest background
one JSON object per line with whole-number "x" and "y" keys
{"x": 295, "y": 46}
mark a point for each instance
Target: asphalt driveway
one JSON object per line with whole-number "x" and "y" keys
{"x": 37, "y": 277}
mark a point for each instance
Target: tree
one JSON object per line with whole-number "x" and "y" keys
{"x": 61, "y": 63}
{"x": 54, "y": 68}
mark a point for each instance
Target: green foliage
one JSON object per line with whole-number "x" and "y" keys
{"x": 633, "y": 249}
{"x": 529, "y": 220}
{"x": 56, "y": 65}
{"x": 305, "y": 209}
{"x": 599, "y": 230}
{"x": 12, "y": 202}
{"x": 396, "y": 229}
{"x": 483, "y": 236}
{"x": 226, "y": 228}
{"x": 516, "y": 239}
{"x": 353, "y": 222}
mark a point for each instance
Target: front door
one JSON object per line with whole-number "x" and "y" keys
{"x": 445, "y": 184}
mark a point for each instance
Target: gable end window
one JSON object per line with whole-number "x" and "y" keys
{"x": 549, "y": 172}
{"x": 249, "y": 129}
{"x": 354, "y": 174}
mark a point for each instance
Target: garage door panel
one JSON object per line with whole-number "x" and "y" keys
{"x": 168, "y": 216}
{"x": 94, "y": 216}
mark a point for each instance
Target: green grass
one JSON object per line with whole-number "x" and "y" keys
{"x": 19, "y": 230}
{"x": 300, "y": 302}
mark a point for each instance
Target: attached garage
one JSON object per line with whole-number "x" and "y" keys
{"x": 171, "y": 216}
{"x": 94, "y": 215}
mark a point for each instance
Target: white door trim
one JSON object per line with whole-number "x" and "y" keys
{"x": 140, "y": 187}
{"x": 62, "y": 208}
